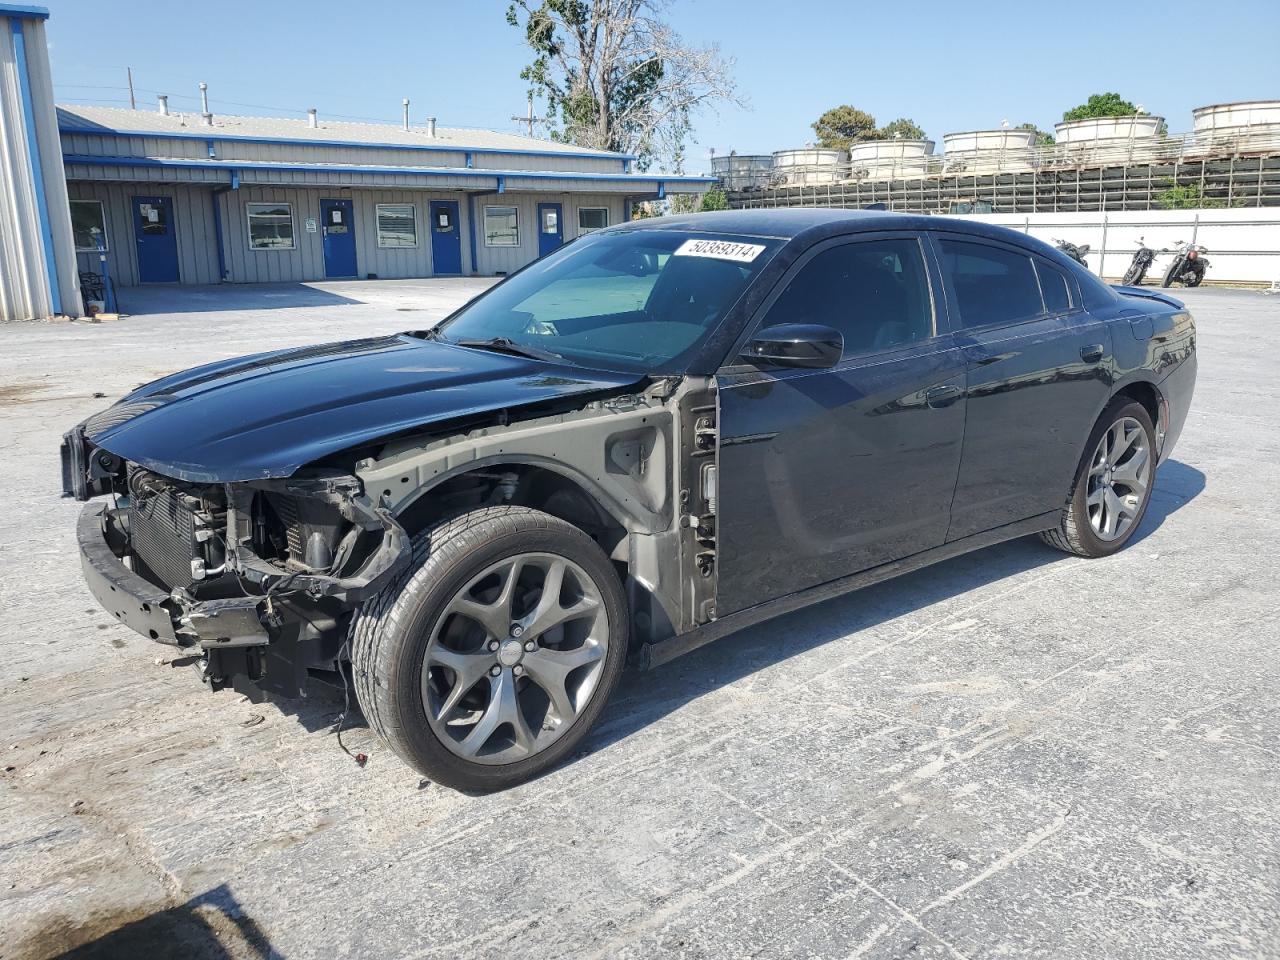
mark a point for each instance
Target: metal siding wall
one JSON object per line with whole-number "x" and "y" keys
{"x": 515, "y": 161}
{"x": 193, "y": 225}
{"x": 492, "y": 260}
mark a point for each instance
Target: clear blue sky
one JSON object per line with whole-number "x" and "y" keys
{"x": 951, "y": 66}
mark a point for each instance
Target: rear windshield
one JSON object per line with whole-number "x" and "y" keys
{"x": 635, "y": 300}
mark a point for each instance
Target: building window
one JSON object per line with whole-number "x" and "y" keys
{"x": 88, "y": 224}
{"x": 270, "y": 226}
{"x": 397, "y": 225}
{"x": 591, "y": 219}
{"x": 500, "y": 227}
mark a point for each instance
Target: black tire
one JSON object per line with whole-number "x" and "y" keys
{"x": 1171, "y": 274}
{"x": 390, "y": 634}
{"x": 1195, "y": 278}
{"x": 1132, "y": 276}
{"x": 1074, "y": 534}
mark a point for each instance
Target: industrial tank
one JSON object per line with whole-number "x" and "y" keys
{"x": 738, "y": 172}
{"x": 989, "y": 151}
{"x": 1235, "y": 118}
{"x": 809, "y": 167}
{"x": 885, "y": 159}
{"x": 1108, "y": 139}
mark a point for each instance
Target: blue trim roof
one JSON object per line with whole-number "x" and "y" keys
{"x": 23, "y": 11}
{"x": 483, "y": 175}
{"x": 98, "y": 131}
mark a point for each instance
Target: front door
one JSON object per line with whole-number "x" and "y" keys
{"x": 550, "y": 227}
{"x": 446, "y": 238}
{"x": 824, "y": 473}
{"x": 156, "y": 240}
{"x": 339, "y": 239}
{"x": 1038, "y": 373}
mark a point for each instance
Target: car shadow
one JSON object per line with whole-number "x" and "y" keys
{"x": 644, "y": 698}
{"x": 210, "y": 926}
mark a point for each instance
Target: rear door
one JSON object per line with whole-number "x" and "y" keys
{"x": 1037, "y": 370}
{"x": 827, "y": 472}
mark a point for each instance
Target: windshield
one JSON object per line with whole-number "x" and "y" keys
{"x": 636, "y": 300}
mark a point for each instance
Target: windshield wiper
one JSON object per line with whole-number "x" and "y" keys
{"x": 507, "y": 345}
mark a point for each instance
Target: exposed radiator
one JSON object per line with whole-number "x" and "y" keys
{"x": 162, "y": 532}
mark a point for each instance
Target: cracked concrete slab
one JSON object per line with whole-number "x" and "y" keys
{"x": 1014, "y": 753}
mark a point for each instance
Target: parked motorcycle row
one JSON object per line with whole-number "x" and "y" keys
{"x": 1188, "y": 266}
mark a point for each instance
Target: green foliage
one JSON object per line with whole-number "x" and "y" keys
{"x": 1190, "y": 196}
{"x": 1103, "y": 105}
{"x": 1042, "y": 139}
{"x": 902, "y": 129}
{"x": 682, "y": 203}
{"x": 714, "y": 199}
{"x": 841, "y": 127}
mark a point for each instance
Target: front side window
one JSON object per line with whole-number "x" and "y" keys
{"x": 270, "y": 226}
{"x": 641, "y": 301}
{"x": 88, "y": 224}
{"x": 397, "y": 225}
{"x": 591, "y": 219}
{"x": 501, "y": 227}
{"x": 875, "y": 292}
{"x": 992, "y": 284}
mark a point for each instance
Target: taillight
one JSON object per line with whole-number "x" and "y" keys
{"x": 1192, "y": 254}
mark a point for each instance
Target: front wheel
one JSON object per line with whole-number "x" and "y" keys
{"x": 1171, "y": 274}
{"x": 1133, "y": 276}
{"x": 1112, "y": 485}
{"x": 488, "y": 662}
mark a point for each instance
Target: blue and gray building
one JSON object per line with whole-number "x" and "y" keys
{"x": 200, "y": 198}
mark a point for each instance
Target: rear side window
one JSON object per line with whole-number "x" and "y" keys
{"x": 1054, "y": 286}
{"x": 992, "y": 285}
{"x": 875, "y": 292}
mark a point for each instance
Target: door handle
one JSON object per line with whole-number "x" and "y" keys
{"x": 1091, "y": 353}
{"x": 943, "y": 396}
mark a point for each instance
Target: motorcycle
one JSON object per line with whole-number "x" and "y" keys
{"x": 1143, "y": 257}
{"x": 1188, "y": 265}
{"x": 1076, "y": 253}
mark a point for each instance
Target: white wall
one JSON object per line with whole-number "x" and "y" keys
{"x": 1243, "y": 244}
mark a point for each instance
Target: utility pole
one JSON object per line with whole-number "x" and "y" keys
{"x": 529, "y": 119}
{"x": 133, "y": 104}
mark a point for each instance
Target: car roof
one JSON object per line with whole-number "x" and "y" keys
{"x": 810, "y": 224}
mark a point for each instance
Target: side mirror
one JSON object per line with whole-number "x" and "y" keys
{"x": 796, "y": 345}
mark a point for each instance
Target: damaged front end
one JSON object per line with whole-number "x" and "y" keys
{"x": 259, "y": 576}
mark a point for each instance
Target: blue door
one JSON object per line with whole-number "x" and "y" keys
{"x": 446, "y": 238}
{"x": 550, "y": 227}
{"x": 157, "y": 242}
{"x": 339, "y": 239}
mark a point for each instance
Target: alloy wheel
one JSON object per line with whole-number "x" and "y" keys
{"x": 514, "y": 658}
{"x": 1119, "y": 479}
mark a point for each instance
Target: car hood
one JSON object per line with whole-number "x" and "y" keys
{"x": 267, "y": 415}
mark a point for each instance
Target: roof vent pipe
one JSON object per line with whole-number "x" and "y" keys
{"x": 311, "y": 118}
{"x": 204, "y": 104}
{"x": 431, "y": 126}
{"x": 405, "y": 103}
{"x": 162, "y": 102}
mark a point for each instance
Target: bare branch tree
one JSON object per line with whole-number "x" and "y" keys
{"x": 617, "y": 77}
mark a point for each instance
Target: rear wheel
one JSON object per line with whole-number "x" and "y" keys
{"x": 493, "y": 656}
{"x": 1196, "y": 276}
{"x": 1112, "y": 486}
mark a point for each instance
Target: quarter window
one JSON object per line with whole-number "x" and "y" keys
{"x": 591, "y": 219}
{"x": 88, "y": 224}
{"x": 875, "y": 292}
{"x": 270, "y": 226}
{"x": 501, "y": 227}
{"x": 992, "y": 285}
{"x": 1053, "y": 284}
{"x": 397, "y": 225}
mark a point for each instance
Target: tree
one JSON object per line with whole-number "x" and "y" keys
{"x": 615, "y": 76}
{"x": 714, "y": 199}
{"x": 902, "y": 129}
{"x": 841, "y": 127}
{"x": 1187, "y": 197}
{"x": 1103, "y": 105}
{"x": 1042, "y": 139}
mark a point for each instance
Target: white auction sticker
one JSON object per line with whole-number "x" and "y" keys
{"x": 720, "y": 250}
